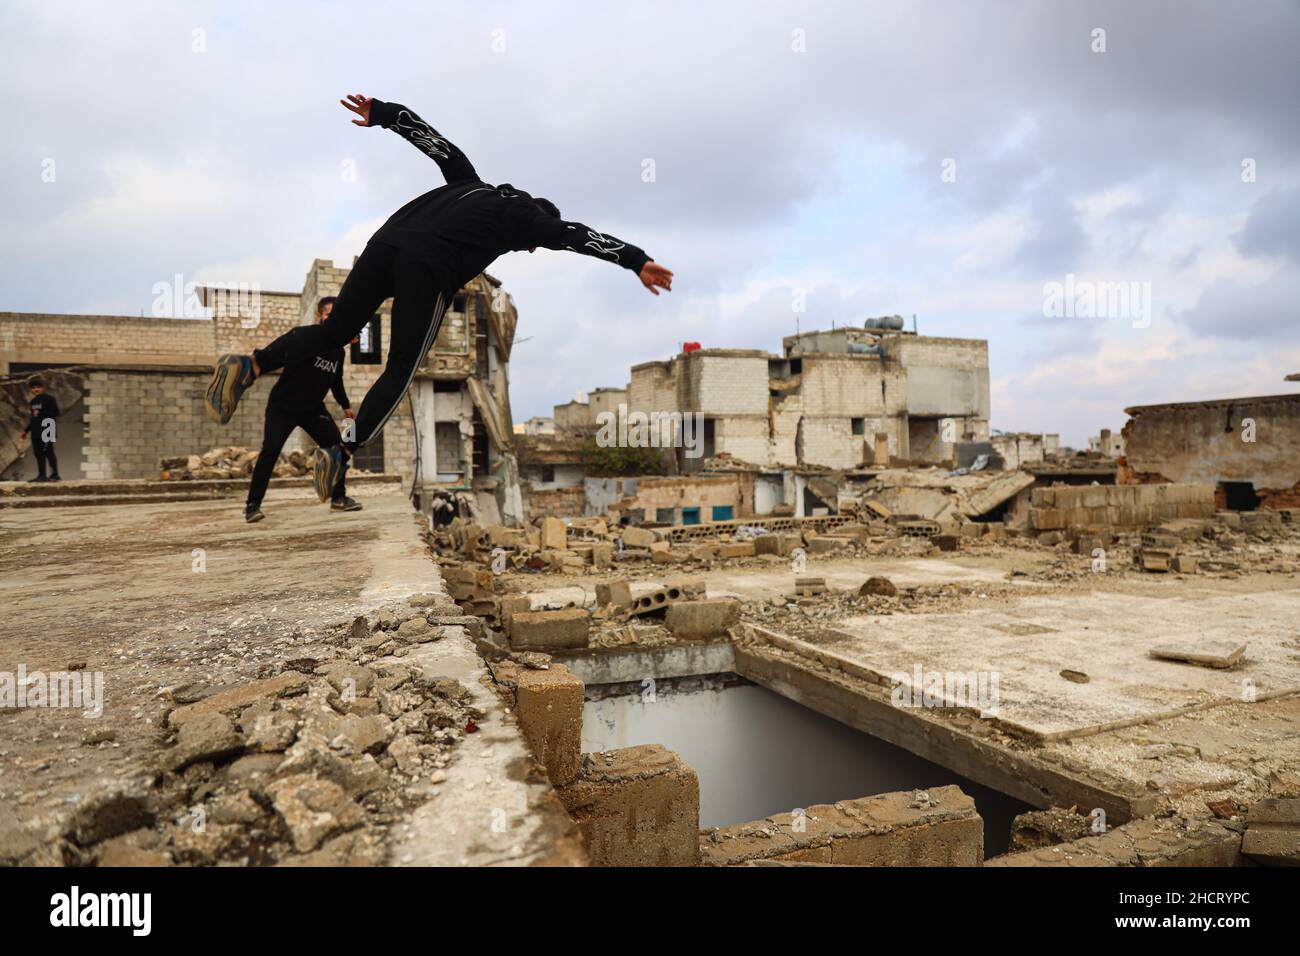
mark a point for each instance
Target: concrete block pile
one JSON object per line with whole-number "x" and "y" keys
{"x": 303, "y": 767}
{"x": 230, "y": 462}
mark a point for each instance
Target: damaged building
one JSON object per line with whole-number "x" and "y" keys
{"x": 840, "y": 398}
{"x": 745, "y": 432}
{"x": 131, "y": 388}
{"x": 1247, "y": 449}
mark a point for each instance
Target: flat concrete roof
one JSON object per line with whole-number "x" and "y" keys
{"x": 115, "y": 588}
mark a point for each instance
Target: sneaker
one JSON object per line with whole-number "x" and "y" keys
{"x": 38, "y": 478}
{"x": 55, "y": 478}
{"x": 253, "y": 514}
{"x": 230, "y": 377}
{"x": 329, "y": 465}
{"x": 345, "y": 504}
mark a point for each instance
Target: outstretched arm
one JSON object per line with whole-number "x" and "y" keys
{"x": 408, "y": 125}
{"x": 338, "y": 390}
{"x": 552, "y": 233}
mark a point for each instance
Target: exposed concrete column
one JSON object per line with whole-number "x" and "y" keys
{"x": 639, "y": 806}
{"x": 548, "y": 704}
{"x": 939, "y": 827}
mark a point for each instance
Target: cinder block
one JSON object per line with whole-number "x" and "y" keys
{"x": 617, "y": 592}
{"x": 710, "y": 617}
{"x": 737, "y": 549}
{"x": 543, "y": 630}
{"x": 639, "y": 806}
{"x": 554, "y": 534}
{"x": 548, "y": 705}
{"x": 780, "y": 544}
{"x": 824, "y": 544}
{"x": 947, "y": 542}
{"x": 1155, "y": 559}
{"x": 638, "y": 537}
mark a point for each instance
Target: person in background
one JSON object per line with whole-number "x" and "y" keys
{"x": 297, "y": 400}
{"x": 41, "y": 428}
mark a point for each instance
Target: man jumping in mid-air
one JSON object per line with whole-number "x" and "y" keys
{"x": 419, "y": 258}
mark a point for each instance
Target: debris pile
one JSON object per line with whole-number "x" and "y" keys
{"x": 231, "y": 461}
{"x": 304, "y": 767}
{"x": 1227, "y": 545}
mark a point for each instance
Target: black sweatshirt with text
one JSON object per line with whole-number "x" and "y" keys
{"x": 43, "y": 406}
{"x": 460, "y": 228}
{"x": 302, "y": 387}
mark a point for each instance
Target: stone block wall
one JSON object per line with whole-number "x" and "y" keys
{"x": 653, "y": 387}
{"x": 724, "y": 383}
{"x": 36, "y": 338}
{"x": 1081, "y": 506}
{"x": 1255, "y": 440}
{"x": 133, "y": 419}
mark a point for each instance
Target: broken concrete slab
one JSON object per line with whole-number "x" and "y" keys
{"x": 234, "y": 698}
{"x": 313, "y": 809}
{"x": 1111, "y": 631}
{"x": 1218, "y": 654}
{"x": 1273, "y": 832}
{"x": 698, "y": 620}
{"x": 634, "y": 537}
{"x": 203, "y": 736}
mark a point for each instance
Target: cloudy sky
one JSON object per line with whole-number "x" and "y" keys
{"x": 948, "y": 160}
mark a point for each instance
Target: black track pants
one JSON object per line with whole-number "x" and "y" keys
{"x": 44, "y": 452}
{"x": 420, "y": 297}
{"x": 280, "y": 423}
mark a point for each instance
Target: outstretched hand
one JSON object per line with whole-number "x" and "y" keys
{"x": 653, "y": 274}
{"x": 359, "y": 103}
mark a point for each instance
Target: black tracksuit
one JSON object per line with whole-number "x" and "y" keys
{"x": 43, "y": 407}
{"x": 423, "y": 254}
{"x": 298, "y": 401}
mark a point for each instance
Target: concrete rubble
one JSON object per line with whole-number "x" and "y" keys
{"x": 231, "y": 462}
{"x": 305, "y": 767}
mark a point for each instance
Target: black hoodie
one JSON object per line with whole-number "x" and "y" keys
{"x": 460, "y": 228}
{"x": 302, "y": 387}
{"x": 43, "y": 406}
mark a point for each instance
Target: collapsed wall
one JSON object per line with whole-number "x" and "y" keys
{"x": 1249, "y": 440}
{"x": 1063, "y": 507}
